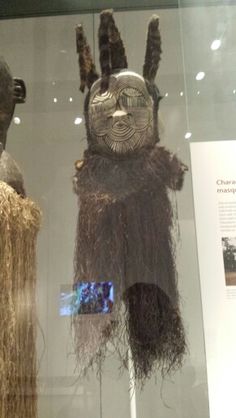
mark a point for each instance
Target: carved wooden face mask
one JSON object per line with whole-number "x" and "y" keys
{"x": 121, "y": 106}
{"x": 121, "y": 118}
{"x": 12, "y": 91}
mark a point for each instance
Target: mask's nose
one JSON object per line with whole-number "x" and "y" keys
{"x": 119, "y": 113}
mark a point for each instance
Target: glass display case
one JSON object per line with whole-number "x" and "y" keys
{"x": 47, "y": 135}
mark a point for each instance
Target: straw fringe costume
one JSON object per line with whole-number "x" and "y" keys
{"x": 124, "y": 231}
{"x": 19, "y": 225}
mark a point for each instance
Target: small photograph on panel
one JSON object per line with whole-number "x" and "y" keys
{"x": 86, "y": 298}
{"x": 229, "y": 255}
{"x": 94, "y": 297}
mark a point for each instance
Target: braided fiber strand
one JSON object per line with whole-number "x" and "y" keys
{"x": 104, "y": 47}
{"x": 118, "y": 57}
{"x": 153, "y": 50}
{"x": 88, "y": 73}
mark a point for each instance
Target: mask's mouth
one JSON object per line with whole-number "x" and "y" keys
{"x": 121, "y": 121}
{"x": 121, "y": 132}
{"x": 119, "y": 124}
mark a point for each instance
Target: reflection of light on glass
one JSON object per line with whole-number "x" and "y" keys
{"x": 181, "y": 93}
{"x": 53, "y": 83}
{"x": 167, "y": 94}
{"x": 234, "y": 91}
{"x": 17, "y": 120}
{"x": 71, "y": 99}
{"x": 188, "y": 135}
{"x": 198, "y": 92}
{"x": 200, "y": 75}
{"x": 55, "y": 100}
{"x": 216, "y": 44}
{"x": 78, "y": 120}
{"x": 63, "y": 51}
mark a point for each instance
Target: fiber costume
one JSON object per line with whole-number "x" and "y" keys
{"x": 19, "y": 224}
{"x": 124, "y": 231}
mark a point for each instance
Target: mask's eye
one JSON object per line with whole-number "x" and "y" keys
{"x": 101, "y": 98}
{"x": 103, "y": 103}
{"x": 132, "y": 98}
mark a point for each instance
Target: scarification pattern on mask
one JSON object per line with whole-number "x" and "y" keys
{"x": 121, "y": 117}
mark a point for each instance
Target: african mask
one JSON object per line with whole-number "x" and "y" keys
{"x": 19, "y": 225}
{"x": 121, "y": 118}
{"x": 12, "y": 91}
{"x": 124, "y": 230}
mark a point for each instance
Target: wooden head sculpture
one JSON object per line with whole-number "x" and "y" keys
{"x": 12, "y": 91}
{"x": 19, "y": 225}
